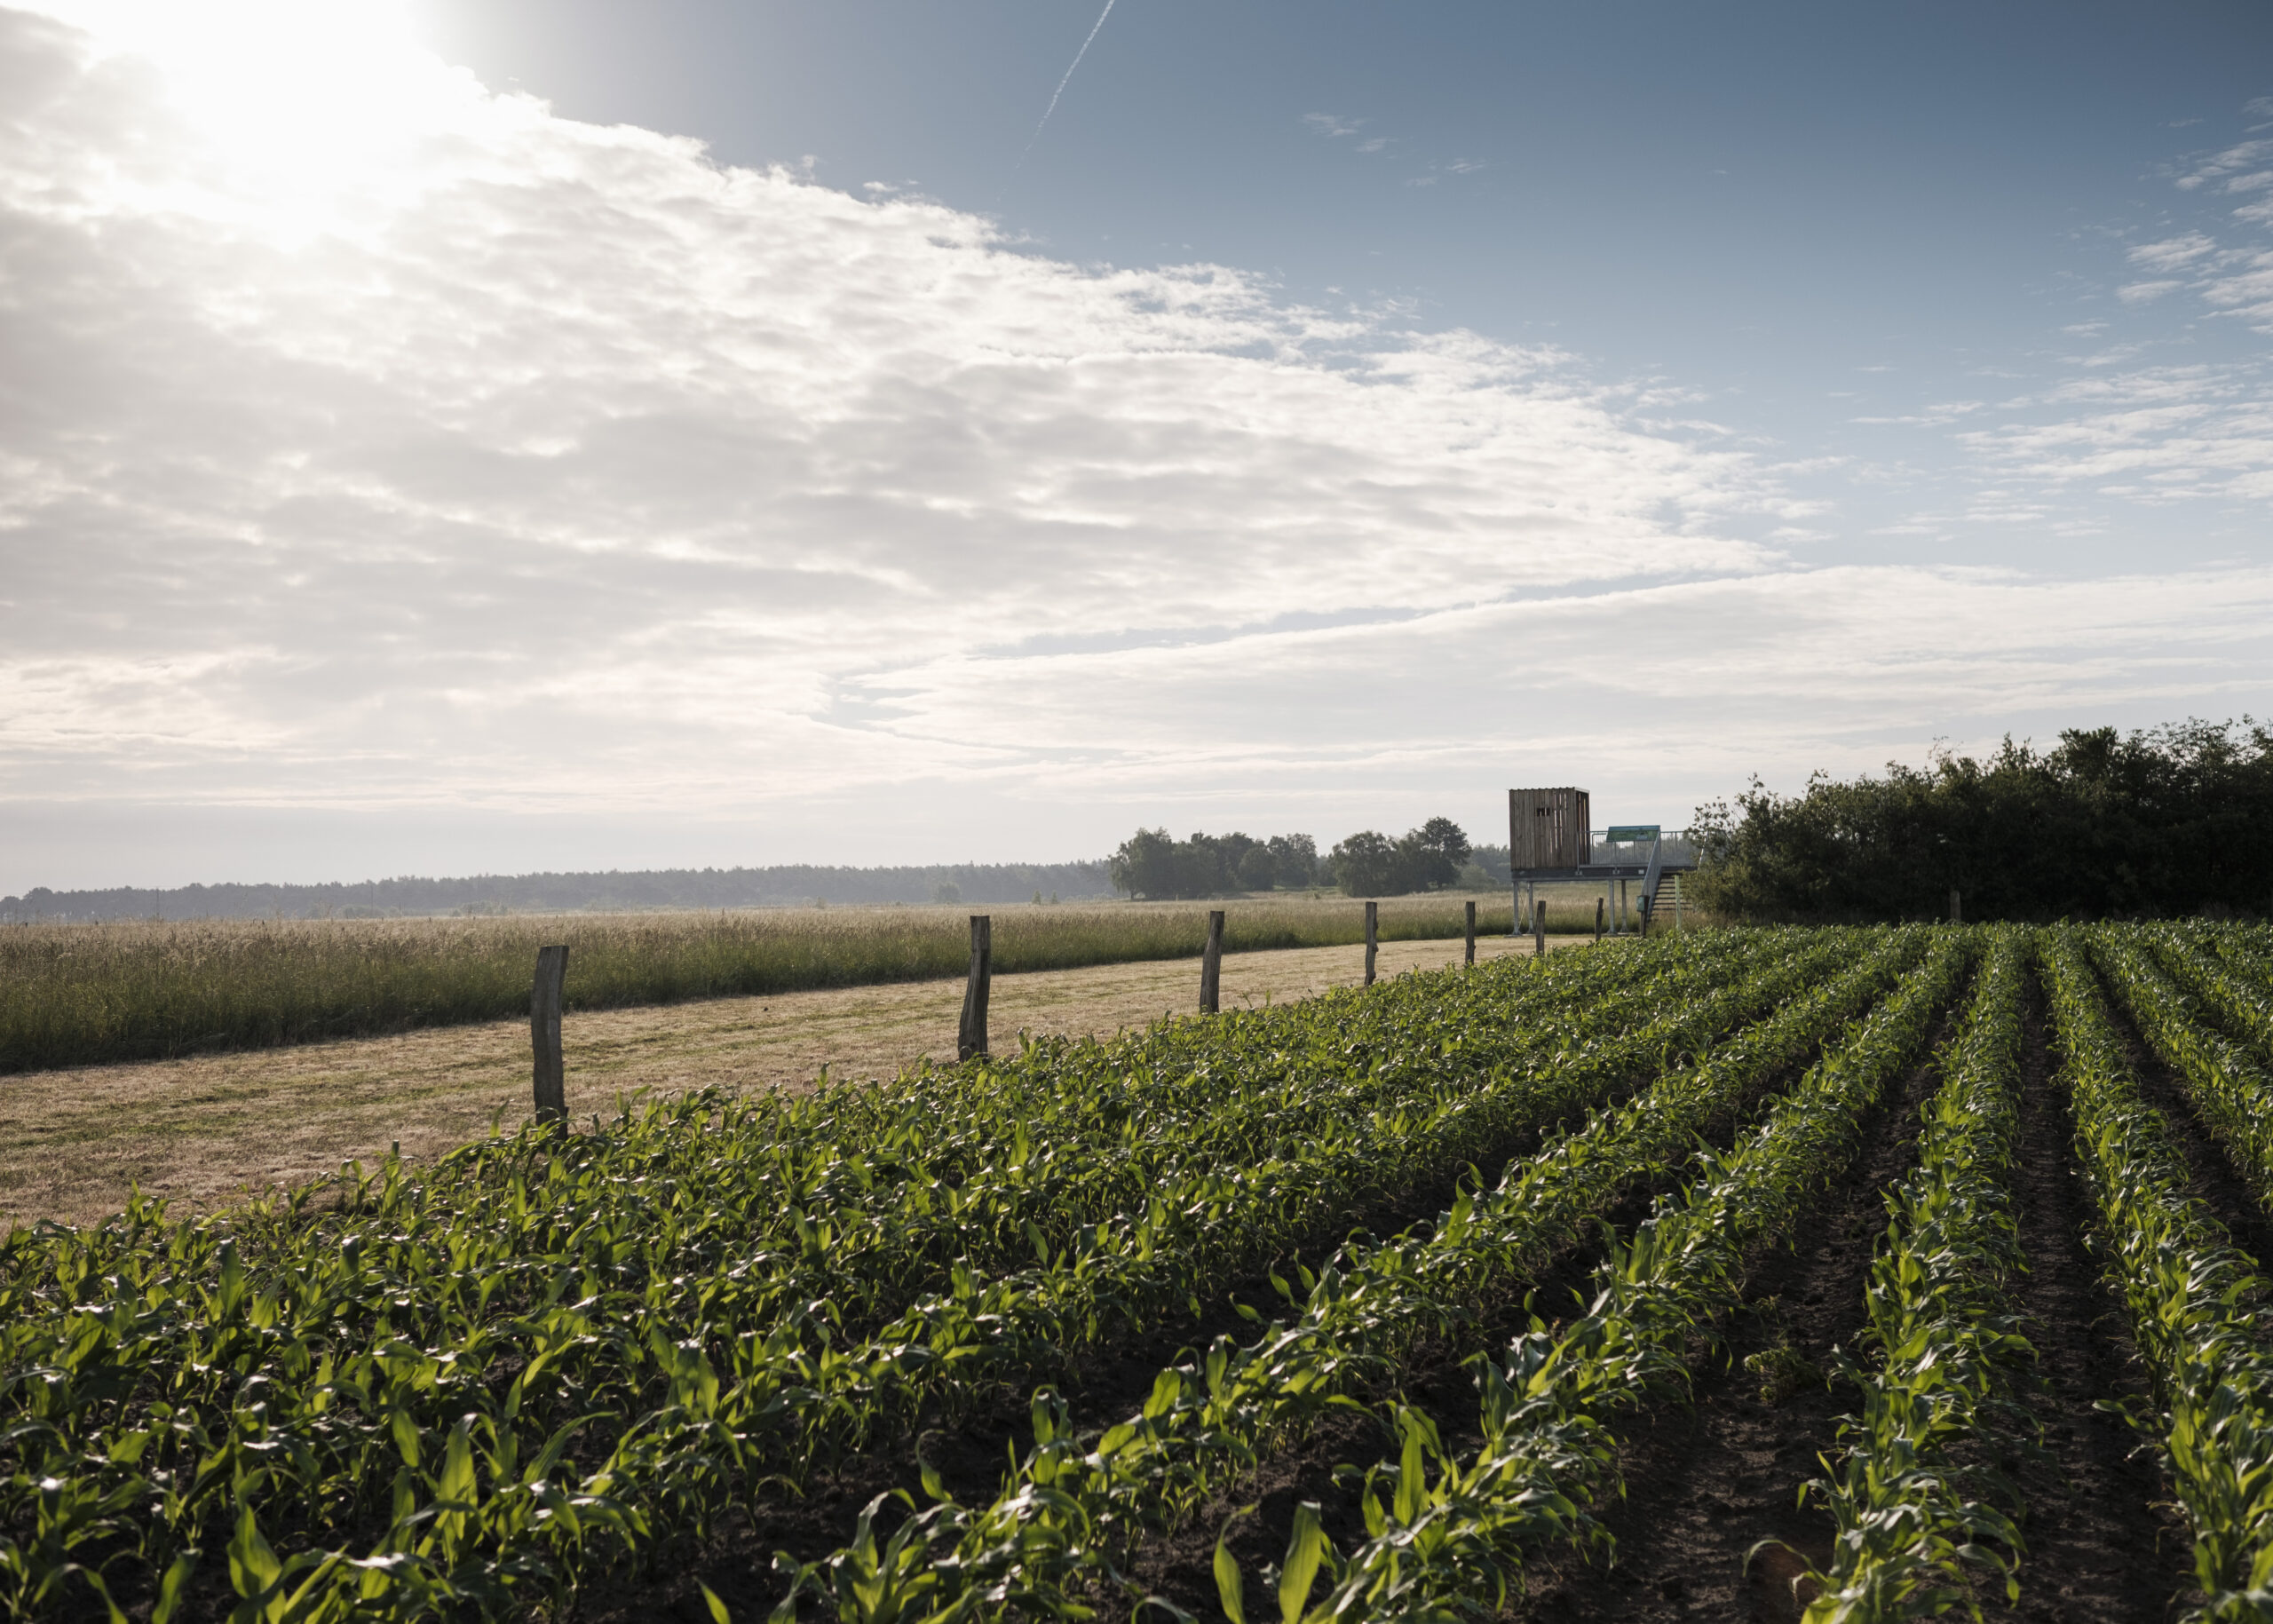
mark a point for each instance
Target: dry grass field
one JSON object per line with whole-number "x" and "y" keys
{"x": 204, "y": 1130}
{"x": 84, "y": 995}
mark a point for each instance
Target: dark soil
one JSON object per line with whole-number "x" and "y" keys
{"x": 1328, "y": 1465}
{"x": 2101, "y": 1543}
{"x": 1708, "y": 1481}
{"x": 972, "y": 1454}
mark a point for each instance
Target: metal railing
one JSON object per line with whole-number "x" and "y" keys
{"x": 1673, "y": 851}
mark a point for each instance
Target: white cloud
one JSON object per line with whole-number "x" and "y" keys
{"x": 1938, "y": 414}
{"x": 2140, "y": 293}
{"x": 2241, "y": 286}
{"x": 2153, "y": 434}
{"x": 2230, "y": 168}
{"x": 414, "y": 448}
{"x": 509, "y": 458}
{"x": 2172, "y": 252}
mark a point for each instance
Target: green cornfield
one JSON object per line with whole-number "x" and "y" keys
{"x": 1356, "y": 1308}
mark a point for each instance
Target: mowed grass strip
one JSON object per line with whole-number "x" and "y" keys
{"x": 86, "y": 994}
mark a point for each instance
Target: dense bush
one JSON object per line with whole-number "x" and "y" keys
{"x": 2172, "y": 819}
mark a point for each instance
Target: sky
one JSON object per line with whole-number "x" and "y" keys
{"x": 496, "y": 436}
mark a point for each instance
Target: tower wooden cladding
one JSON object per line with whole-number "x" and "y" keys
{"x": 1548, "y": 829}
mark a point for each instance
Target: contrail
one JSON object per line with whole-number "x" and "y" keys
{"x": 1067, "y": 79}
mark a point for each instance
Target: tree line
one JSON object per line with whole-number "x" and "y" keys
{"x": 2164, "y": 820}
{"x": 783, "y": 885}
{"x": 1152, "y": 864}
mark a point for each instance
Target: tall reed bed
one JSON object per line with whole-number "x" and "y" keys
{"x": 81, "y": 994}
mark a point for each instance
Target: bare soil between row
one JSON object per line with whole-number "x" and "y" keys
{"x": 1707, "y": 1482}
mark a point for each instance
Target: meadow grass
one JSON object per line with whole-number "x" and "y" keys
{"x": 81, "y": 994}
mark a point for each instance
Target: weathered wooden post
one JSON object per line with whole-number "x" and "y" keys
{"x": 1516, "y": 908}
{"x": 1373, "y": 936}
{"x": 1598, "y": 914}
{"x": 971, "y": 1040}
{"x": 1211, "y": 963}
{"x": 1957, "y": 913}
{"x": 545, "y": 1034}
{"x": 1471, "y": 935}
{"x": 1538, "y": 929}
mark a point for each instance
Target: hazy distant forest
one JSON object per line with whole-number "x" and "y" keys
{"x": 1367, "y": 864}
{"x": 791, "y": 885}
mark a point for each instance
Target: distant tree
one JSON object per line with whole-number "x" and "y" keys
{"x": 1146, "y": 865}
{"x": 1151, "y": 864}
{"x": 946, "y": 891}
{"x": 1296, "y": 859}
{"x": 1233, "y": 849}
{"x": 1366, "y": 864}
{"x": 1430, "y": 858}
{"x": 1446, "y": 838}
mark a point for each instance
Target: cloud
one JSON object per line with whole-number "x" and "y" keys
{"x": 2141, "y": 293}
{"x": 1332, "y": 127}
{"x": 2172, "y": 253}
{"x": 2156, "y": 435}
{"x": 372, "y": 441}
{"x": 1937, "y": 416}
{"x": 2232, "y": 169}
{"x": 2241, "y": 286}
{"x": 1786, "y": 671}
{"x": 501, "y": 457}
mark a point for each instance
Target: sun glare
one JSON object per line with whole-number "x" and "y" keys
{"x": 302, "y": 103}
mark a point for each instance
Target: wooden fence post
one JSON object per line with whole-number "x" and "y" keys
{"x": 1373, "y": 936}
{"x": 1598, "y": 914}
{"x": 1957, "y": 913}
{"x": 971, "y": 1040}
{"x": 545, "y": 1034}
{"x": 1211, "y": 963}
{"x": 1516, "y": 908}
{"x": 1538, "y": 929}
{"x": 1471, "y": 933}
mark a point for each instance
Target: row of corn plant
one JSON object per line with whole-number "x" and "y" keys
{"x": 1449, "y": 1535}
{"x": 179, "y": 1394}
{"x": 1919, "y": 1517}
{"x": 1068, "y": 1516}
{"x": 2222, "y": 983}
{"x": 1125, "y": 1274}
{"x": 2248, "y": 949}
{"x": 876, "y": 1193}
{"x": 2223, "y": 1080}
{"x": 2197, "y": 1306}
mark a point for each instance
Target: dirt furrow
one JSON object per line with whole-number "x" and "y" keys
{"x": 972, "y": 1451}
{"x": 2101, "y": 1542}
{"x": 1706, "y": 1481}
